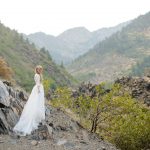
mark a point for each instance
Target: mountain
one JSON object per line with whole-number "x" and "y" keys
{"x": 75, "y": 39}
{"x": 73, "y": 42}
{"x": 52, "y": 44}
{"x": 116, "y": 55}
{"x": 101, "y": 34}
{"x": 22, "y": 57}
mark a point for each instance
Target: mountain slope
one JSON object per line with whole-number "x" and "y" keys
{"x": 73, "y": 42}
{"x": 22, "y": 57}
{"x": 101, "y": 34}
{"x": 116, "y": 55}
{"x": 142, "y": 67}
{"x": 76, "y": 39}
{"x": 54, "y": 46}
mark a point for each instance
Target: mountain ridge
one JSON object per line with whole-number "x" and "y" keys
{"x": 72, "y": 42}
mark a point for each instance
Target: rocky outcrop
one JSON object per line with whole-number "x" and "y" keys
{"x": 138, "y": 87}
{"x": 58, "y": 128}
{"x": 11, "y": 104}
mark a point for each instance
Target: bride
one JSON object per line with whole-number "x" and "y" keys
{"x": 34, "y": 110}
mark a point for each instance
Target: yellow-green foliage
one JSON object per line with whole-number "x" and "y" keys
{"x": 126, "y": 121}
{"x": 115, "y": 116}
{"x": 62, "y": 97}
{"x": 49, "y": 84}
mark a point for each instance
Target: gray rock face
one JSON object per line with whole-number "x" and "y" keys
{"x": 4, "y": 95}
{"x": 11, "y": 104}
{"x": 58, "y": 127}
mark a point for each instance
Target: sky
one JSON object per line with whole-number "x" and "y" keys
{"x": 55, "y": 16}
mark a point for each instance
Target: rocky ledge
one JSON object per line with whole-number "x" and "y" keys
{"x": 57, "y": 132}
{"x": 138, "y": 87}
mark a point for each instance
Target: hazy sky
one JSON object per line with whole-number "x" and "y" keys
{"x": 55, "y": 16}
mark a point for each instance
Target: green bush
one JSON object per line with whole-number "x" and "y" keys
{"x": 114, "y": 115}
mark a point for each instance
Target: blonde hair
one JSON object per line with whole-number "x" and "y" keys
{"x": 38, "y": 70}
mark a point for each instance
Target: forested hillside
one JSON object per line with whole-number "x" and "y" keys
{"x": 142, "y": 67}
{"x": 116, "y": 55}
{"x": 22, "y": 57}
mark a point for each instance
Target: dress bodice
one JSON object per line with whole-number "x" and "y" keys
{"x": 37, "y": 79}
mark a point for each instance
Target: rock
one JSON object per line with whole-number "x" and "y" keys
{"x": 74, "y": 126}
{"x": 41, "y": 133}
{"x": 47, "y": 112}
{"x": 22, "y": 96}
{"x": 12, "y": 117}
{"x": 61, "y": 142}
{"x": 69, "y": 145}
{"x": 14, "y": 136}
{"x": 4, "y": 95}
{"x": 85, "y": 89}
{"x": 138, "y": 88}
{"x": 103, "y": 148}
{"x": 8, "y": 83}
{"x": 4, "y": 126}
{"x": 44, "y": 135}
{"x": 83, "y": 142}
{"x": 85, "y": 135}
{"x": 34, "y": 142}
{"x": 50, "y": 129}
{"x": 11, "y": 105}
{"x": 1, "y": 141}
{"x": 61, "y": 128}
{"x": 13, "y": 141}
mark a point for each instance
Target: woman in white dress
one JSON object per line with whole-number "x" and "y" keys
{"x": 34, "y": 110}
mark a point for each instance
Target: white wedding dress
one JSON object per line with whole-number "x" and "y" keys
{"x": 34, "y": 110}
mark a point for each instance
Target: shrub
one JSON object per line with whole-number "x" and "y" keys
{"x": 115, "y": 115}
{"x": 5, "y": 70}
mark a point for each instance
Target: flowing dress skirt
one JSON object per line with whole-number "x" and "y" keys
{"x": 33, "y": 112}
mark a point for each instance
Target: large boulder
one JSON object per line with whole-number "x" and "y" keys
{"x": 11, "y": 106}
{"x": 4, "y": 95}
